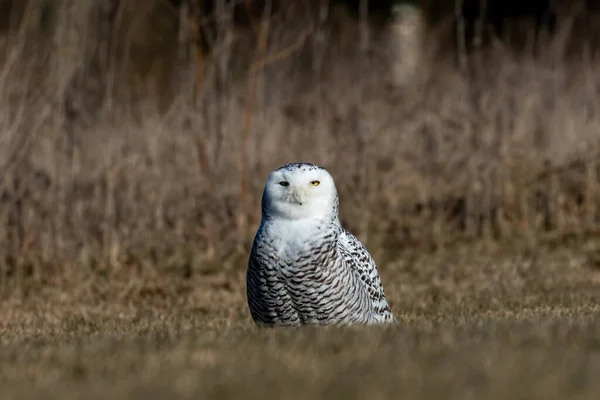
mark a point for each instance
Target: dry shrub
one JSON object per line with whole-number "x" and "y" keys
{"x": 159, "y": 178}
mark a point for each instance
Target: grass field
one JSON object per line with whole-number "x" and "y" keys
{"x": 476, "y": 323}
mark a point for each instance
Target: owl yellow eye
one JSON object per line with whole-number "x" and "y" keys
{"x": 284, "y": 183}
{"x": 315, "y": 183}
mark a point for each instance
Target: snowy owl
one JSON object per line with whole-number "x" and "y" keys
{"x": 304, "y": 268}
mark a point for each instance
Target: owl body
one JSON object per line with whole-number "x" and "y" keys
{"x": 304, "y": 268}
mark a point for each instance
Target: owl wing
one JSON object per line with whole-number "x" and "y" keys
{"x": 356, "y": 256}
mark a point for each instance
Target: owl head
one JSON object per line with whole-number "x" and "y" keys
{"x": 300, "y": 191}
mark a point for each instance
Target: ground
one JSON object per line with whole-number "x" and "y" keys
{"x": 477, "y": 322}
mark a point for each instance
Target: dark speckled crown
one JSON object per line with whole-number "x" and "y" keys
{"x": 305, "y": 166}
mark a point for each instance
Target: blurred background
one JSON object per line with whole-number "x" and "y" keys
{"x": 136, "y": 135}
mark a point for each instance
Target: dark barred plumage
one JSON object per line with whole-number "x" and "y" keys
{"x": 308, "y": 269}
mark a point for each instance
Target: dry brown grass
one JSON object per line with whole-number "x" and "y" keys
{"x": 544, "y": 359}
{"x": 554, "y": 358}
{"x": 129, "y": 202}
{"x": 108, "y": 171}
{"x": 503, "y": 323}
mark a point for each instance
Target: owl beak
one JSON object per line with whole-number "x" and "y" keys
{"x": 300, "y": 195}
